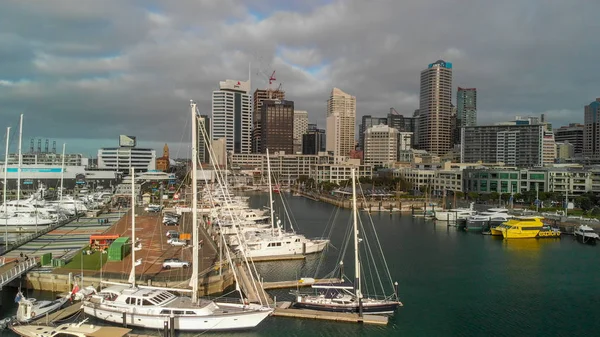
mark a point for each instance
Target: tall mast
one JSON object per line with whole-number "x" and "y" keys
{"x": 356, "y": 261}
{"x": 62, "y": 175}
{"x": 4, "y": 192}
{"x": 20, "y": 159}
{"x": 132, "y": 275}
{"x": 195, "y": 234}
{"x": 270, "y": 193}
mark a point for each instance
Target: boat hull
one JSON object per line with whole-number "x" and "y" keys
{"x": 236, "y": 321}
{"x": 312, "y": 248}
{"x": 384, "y": 308}
{"x": 585, "y": 239}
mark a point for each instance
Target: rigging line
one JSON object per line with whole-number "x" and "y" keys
{"x": 227, "y": 199}
{"x": 385, "y": 265}
{"x": 370, "y": 258}
{"x": 386, "y": 269}
{"x": 183, "y": 134}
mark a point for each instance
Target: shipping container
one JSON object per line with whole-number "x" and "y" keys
{"x": 119, "y": 249}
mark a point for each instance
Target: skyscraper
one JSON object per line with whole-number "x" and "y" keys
{"x": 591, "y": 131}
{"x": 573, "y": 133}
{"x": 367, "y": 122}
{"x": 277, "y": 126}
{"x": 466, "y": 105}
{"x": 259, "y": 96}
{"x": 232, "y": 115}
{"x": 435, "y": 108}
{"x": 203, "y": 143}
{"x": 300, "y": 128}
{"x": 342, "y": 107}
{"x": 381, "y": 145}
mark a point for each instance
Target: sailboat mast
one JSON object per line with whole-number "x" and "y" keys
{"x": 356, "y": 261}
{"x": 4, "y": 188}
{"x": 270, "y": 193}
{"x": 195, "y": 234}
{"x": 62, "y": 176}
{"x": 132, "y": 277}
{"x": 20, "y": 160}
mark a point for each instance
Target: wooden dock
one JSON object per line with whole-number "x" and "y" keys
{"x": 247, "y": 285}
{"x": 279, "y": 258}
{"x": 284, "y": 310}
{"x": 297, "y": 283}
{"x": 59, "y": 315}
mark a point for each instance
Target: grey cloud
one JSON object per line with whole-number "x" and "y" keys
{"x": 102, "y": 68}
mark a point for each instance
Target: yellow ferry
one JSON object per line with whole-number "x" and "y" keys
{"x": 527, "y": 227}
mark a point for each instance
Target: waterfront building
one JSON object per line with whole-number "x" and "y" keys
{"x": 164, "y": 163}
{"x": 47, "y": 158}
{"x": 435, "y": 108}
{"x": 591, "y": 131}
{"x": 381, "y": 146}
{"x": 232, "y": 115}
{"x": 549, "y": 147}
{"x": 505, "y": 180}
{"x": 277, "y": 126}
{"x": 341, "y": 121}
{"x": 259, "y": 96}
{"x": 466, "y": 107}
{"x": 340, "y": 170}
{"x": 288, "y": 167}
{"x": 123, "y": 158}
{"x": 34, "y": 176}
{"x": 572, "y": 133}
{"x": 300, "y": 128}
{"x": 518, "y": 145}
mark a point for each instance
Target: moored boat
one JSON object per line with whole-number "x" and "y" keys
{"x": 70, "y": 330}
{"x": 488, "y": 219}
{"x": 528, "y": 227}
{"x": 586, "y": 234}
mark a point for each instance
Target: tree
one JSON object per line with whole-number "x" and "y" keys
{"x": 505, "y": 196}
{"x": 584, "y": 202}
{"x": 459, "y": 194}
{"x": 473, "y": 195}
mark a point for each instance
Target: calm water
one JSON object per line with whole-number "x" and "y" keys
{"x": 451, "y": 283}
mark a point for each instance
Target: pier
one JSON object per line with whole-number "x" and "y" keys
{"x": 10, "y": 271}
{"x": 297, "y": 283}
{"x": 284, "y": 310}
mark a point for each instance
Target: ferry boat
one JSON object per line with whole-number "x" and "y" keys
{"x": 527, "y": 228}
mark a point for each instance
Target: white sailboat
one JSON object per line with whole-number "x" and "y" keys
{"x": 348, "y": 297}
{"x": 150, "y": 307}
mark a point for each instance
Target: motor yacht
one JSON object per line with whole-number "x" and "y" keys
{"x": 586, "y": 234}
{"x": 455, "y": 214}
{"x": 488, "y": 219}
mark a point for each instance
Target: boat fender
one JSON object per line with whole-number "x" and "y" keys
{"x": 33, "y": 314}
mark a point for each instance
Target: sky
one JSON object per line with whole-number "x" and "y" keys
{"x": 83, "y": 72}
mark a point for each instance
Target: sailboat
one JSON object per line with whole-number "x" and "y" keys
{"x": 348, "y": 296}
{"x": 150, "y": 307}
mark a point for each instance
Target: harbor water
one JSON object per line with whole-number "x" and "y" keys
{"x": 452, "y": 283}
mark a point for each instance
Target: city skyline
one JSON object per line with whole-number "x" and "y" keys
{"x": 112, "y": 68}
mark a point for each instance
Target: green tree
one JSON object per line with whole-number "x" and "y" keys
{"x": 584, "y": 202}
{"x": 473, "y": 196}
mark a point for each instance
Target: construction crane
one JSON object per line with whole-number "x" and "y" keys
{"x": 271, "y": 79}
{"x": 394, "y": 112}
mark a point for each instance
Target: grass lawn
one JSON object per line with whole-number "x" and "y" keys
{"x": 90, "y": 262}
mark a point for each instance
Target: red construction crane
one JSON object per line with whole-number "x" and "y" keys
{"x": 272, "y": 78}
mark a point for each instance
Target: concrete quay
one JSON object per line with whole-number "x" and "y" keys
{"x": 403, "y": 205}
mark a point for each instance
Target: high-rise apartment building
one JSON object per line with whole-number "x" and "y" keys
{"x": 367, "y": 122}
{"x": 381, "y": 146}
{"x": 277, "y": 126}
{"x": 466, "y": 107}
{"x": 300, "y": 128}
{"x": 342, "y": 107}
{"x": 591, "y": 131}
{"x": 435, "y": 108}
{"x": 520, "y": 145}
{"x": 313, "y": 141}
{"x": 232, "y": 115}
{"x": 259, "y": 96}
{"x": 204, "y": 138}
{"x": 572, "y": 133}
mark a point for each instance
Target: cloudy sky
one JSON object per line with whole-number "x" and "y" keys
{"x": 85, "y": 71}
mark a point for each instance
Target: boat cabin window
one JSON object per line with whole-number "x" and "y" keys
{"x": 165, "y": 312}
{"x": 130, "y": 300}
{"x": 178, "y": 312}
{"x": 274, "y": 244}
{"x": 64, "y": 334}
{"x": 146, "y": 302}
{"x": 297, "y": 240}
{"x": 190, "y": 313}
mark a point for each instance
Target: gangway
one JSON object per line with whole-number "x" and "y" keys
{"x": 19, "y": 269}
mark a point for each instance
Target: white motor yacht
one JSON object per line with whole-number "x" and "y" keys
{"x": 455, "y": 214}
{"x": 492, "y": 217}
{"x": 70, "y": 330}
{"x": 31, "y": 309}
{"x": 586, "y": 234}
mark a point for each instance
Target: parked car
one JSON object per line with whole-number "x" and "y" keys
{"x": 172, "y": 233}
{"x": 176, "y": 242}
{"x": 170, "y": 223}
{"x": 175, "y": 263}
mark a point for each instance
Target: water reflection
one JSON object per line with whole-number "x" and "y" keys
{"x": 527, "y": 245}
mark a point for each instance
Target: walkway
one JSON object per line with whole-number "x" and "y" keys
{"x": 11, "y": 271}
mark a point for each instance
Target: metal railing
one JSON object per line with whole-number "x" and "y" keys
{"x": 19, "y": 269}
